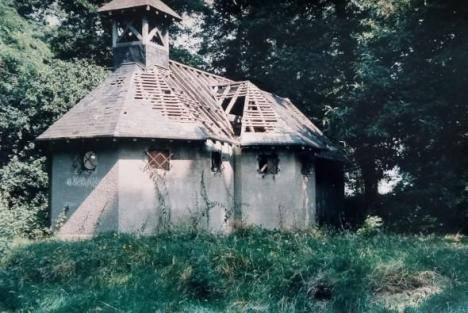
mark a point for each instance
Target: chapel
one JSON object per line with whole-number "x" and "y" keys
{"x": 160, "y": 144}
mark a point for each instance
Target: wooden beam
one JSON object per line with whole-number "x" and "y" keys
{"x": 115, "y": 34}
{"x": 135, "y": 32}
{"x": 145, "y": 30}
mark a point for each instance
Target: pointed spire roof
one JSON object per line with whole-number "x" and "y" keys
{"x": 158, "y": 5}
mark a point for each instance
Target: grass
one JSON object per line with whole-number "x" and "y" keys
{"x": 251, "y": 271}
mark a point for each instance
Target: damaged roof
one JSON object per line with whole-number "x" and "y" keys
{"x": 184, "y": 103}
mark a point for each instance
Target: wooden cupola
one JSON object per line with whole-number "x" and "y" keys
{"x": 140, "y": 31}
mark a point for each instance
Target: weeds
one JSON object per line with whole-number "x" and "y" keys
{"x": 249, "y": 271}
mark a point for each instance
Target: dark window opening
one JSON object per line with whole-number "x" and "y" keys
{"x": 216, "y": 162}
{"x": 159, "y": 159}
{"x": 268, "y": 164}
{"x": 307, "y": 163}
{"x": 259, "y": 129}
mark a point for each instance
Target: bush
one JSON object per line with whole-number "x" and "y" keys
{"x": 372, "y": 225}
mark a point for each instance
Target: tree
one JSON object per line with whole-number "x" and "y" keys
{"x": 35, "y": 90}
{"x": 78, "y": 31}
{"x": 381, "y": 75}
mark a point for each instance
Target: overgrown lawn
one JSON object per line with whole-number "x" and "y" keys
{"x": 251, "y": 271}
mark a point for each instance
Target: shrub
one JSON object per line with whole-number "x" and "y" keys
{"x": 372, "y": 225}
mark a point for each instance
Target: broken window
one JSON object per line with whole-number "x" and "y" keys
{"x": 216, "y": 162}
{"x": 159, "y": 159}
{"x": 268, "y": 164}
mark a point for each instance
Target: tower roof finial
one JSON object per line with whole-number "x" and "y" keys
{"x": 158, "y": 5}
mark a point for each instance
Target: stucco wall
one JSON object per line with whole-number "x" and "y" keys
{"x": 87, "y": 199}
{"x": 124, "y": 194}
{"x": 190, "y": 194}
{"x": 285, "y": 200}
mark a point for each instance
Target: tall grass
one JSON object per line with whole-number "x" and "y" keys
{"x": 250, "y": 271}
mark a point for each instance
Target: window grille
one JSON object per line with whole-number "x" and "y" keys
{"x": 159, "y": 159}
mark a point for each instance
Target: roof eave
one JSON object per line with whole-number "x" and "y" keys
{"x": 106, "y": 9}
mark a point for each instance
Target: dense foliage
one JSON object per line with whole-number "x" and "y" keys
{"x": 35, "y": 89}
{"x": 251, "y": 271}
{"x": 385, "y": 78}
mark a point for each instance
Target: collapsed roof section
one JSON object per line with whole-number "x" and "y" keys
{"x": 261, "y": 118}
{"x": 183, "y": 103}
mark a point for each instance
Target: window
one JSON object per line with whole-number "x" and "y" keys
{"x": 159, "y": 159}
{"x": 307, "y": 163}
{"x": 216, "y": 162}
{"x": 268, "y": 164}
{"x": 89, "y": 161}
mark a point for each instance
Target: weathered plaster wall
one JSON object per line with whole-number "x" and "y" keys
{"x": 187, "y": 195}
{"x": 124, "y": 194}
{"x": 88, "y": 199}
{"x": 282, "y": 201}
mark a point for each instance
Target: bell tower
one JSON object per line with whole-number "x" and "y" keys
{"x": 140, "y": 31}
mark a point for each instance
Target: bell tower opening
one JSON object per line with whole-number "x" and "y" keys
{"x": 140, "y": 31}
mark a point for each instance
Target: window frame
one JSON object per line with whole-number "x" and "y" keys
{"x": 159, "y": 159}
{"x": 217, "y": 168}
{"x": 268, "y": 164}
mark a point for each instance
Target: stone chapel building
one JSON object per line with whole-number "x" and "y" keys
{"x": 161, "y": 144}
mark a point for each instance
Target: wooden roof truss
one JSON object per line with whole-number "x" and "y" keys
{"x": 245, "y": 101}
{"x": 168, "y": 92}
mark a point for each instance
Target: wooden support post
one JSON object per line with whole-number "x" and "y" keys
{"x": 145, "y": 31}
{"x": 115, "y": 34}
{"x": 166, "y": 39}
